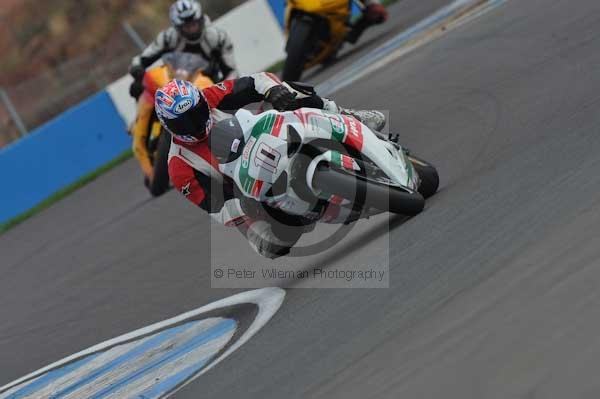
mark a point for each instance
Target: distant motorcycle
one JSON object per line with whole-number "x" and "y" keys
{"x": 176, "y": 65}
{"x": 295, "y": 160}
{"x": 316, "y": 30}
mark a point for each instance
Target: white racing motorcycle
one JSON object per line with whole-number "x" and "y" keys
{"x": 296, "y": 161}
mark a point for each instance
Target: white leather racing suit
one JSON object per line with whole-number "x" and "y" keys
{"x": 214, "y": 45}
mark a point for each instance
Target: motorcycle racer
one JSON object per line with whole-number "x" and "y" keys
{"x": 176, "y": 65}
{"x": 189, "y": 115}
{"x": 191, "y": 32}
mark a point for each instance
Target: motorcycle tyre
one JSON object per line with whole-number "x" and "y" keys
{"x": 297, "y": 47}
{"x": 369, "y": 193}
{"x": 160, "y": 184}
{"x": 430, "y": 180}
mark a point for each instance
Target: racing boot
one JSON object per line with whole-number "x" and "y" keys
{"x": 374, "y": 120}
{"x": 272, "y": 240}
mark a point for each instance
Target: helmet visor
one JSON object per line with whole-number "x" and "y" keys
{"x": 192, "y": 29}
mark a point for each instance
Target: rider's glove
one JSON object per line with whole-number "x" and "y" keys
{"x": 136, "y": 89}
{"x": 376, "y": 13}
{"x": 137, "y": 71}
{"x": 280, "y": 97}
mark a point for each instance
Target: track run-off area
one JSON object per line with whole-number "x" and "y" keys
{"x": 493, "y": 289}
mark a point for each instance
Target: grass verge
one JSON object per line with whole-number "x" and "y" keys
{"x": 65, "y": 191}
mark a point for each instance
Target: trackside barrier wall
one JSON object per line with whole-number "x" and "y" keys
{"x": 256, "y": 34}
{"x": 59, "y": 153}
{"x": 278, "y": 7}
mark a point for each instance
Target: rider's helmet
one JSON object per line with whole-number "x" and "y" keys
{"x": 183, "y": 110}
{"x": 187, "y": 17}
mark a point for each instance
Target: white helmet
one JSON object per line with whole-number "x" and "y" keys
{"x": 186, "y": 16}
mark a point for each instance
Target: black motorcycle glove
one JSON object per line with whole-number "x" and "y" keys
{"x": 137, "y": 71}
{"x": 280, "y": 97}
{"x": 136, "y": 89}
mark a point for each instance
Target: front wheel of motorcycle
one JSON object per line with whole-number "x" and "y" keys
{"x": 297, "y": 47}
{"x": 367, "y": 192}
{"x": 430, "y": 180}
{"x": 160, "y": 184}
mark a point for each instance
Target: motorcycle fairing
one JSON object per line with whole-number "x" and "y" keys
{"x": 265, "y": 160}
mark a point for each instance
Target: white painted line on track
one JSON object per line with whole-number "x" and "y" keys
{"x": 447, "y": 18}
{"x": 158, "y": 360}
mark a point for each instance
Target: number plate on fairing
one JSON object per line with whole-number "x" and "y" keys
{"x": 268, "y": 158}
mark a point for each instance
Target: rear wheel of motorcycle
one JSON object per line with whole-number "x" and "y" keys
{"x": 297, "y": 47}
{"x": 160, "y": 183}
{"x": 366, "y": 192}
{"x": 430, "y": 180}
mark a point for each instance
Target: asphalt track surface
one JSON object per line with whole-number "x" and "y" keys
{"x": 493, "y": 290}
